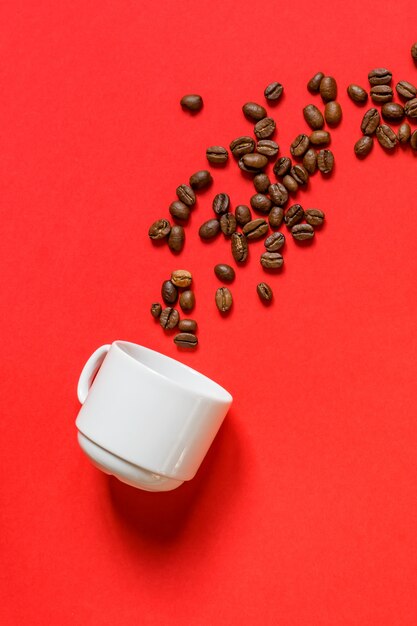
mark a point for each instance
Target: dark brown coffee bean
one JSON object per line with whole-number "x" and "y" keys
{"x": 300, "y": 145}
{"x": 239, "y": 247}
{"x": 176, "y": 238}
{"x": 278, "y": 194}
{"x": 242, "y": 145}
{"x": 386, "y": 137}
{"x": 293, "y": 215}
{"x": 156, "y": 310}
{"x": 413, "y": 140}
{"x": 243, "y": 214}
{"x": 221, "y": 203}
{"x": 264, "y": 292}
{"x": 320, "y": 138}
{"x": 272, "y": 260}
{"x": 313, "y": 84}
{"x": 224, "y": 272}
{"x": 260, "y": 202}
{"x": 404, "y": 133}
{"x": 254, "y": 111}
{"x": 217, "y": 155}
{"x": 290, "y": 183}
{"x": 228, "y": 224}
{"x": 169, "y": 292}
{"x": 406, "y": 90}
{"x": 209, "y": 229}
{"x": 370, "y": 122}
{"x": 381, "y": 94}
{"x": 255, "y": 229}
{"x": 159, "y": 229}
{"x": 363, "y": 146}
{"x": 224, "y": 299}
{"x": 273, "y": 92}
{"x": 325, "y": 161}
{"x": 186, "y": 195}
{"x": 301, "y": 232}
{"x": 187, "y": 326}
{"x": 414, "y": 51}
{"x": 275, "y": 217}
{"x": 267, "y": 147}
{"x": 192, "y": 102}
{"x": 310, "y": 161}
{"x": 179, "y": 210}
{"x": 357, "y": 94}
{"x": 255, "y": 161}
{"x": 282, "y": 166}
{"x": 186, "y": 340}
{"x": 379, "y": 76}
{"x": 274, "y": 242}
{"x": 261, "y": 182}
{"x": 265, "y": 128}
{"x": 181, "y": 278}
{"x": 328, "y": 89}
{"x": 300, "y": 174}
{"x": 333, "y": 113}
{"x": 169, "y": 318}
{"x": 392, "y": 111}
{"x": 410, "y": 108}
{"x": 314, "y": 217}
{"x": 201, "y": 179}
{"x": 313, "y": 116}
{"x": 244, "y": 168}
{"x": 187, "y": 300}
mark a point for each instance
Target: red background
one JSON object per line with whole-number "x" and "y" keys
{"x": 305, "y": 510}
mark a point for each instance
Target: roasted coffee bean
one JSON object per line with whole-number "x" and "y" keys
{"x": 228, "y": 224}
{"x": 275, "y": 217}
{"x": 187, "y": 326}
{"x": 274, "y": 242}
{"x": 156, "y": 310}
{"x": 293, "y": 215}
{"x": 265, "y": 128}
{"x": 392, "y": 111}
{"x": 192, "y": 102}
{"x": 332, "y": 113}
{"x": 260, "y": 202}
{"x": 325, "y": 161}
{"x": 181, "y": 278}
{"x": 242, "y": 145}
{"x": 320, "y": 138}
{"x": 255, "y": 161}
{"x": 406, "y": 90}
{"x": 264, "y": 292}
{"x": 243, "y": 214}
{"x": 313, "y": 116}
{"x": 244, "y": 168}
{"x": 313, "y": 84}
{"x": 413, "y": 140}
{"x": 179, "y": 210}
{"x": 404, "y": 133}
{"x": 363, "y": 146}
{"x": 267, "y": 147}
{"x": 410, "y": 108}
{"x": 186, "y": 195}
{"x": 300, "y": 145}
{"x": 273, "y": 92}
{"x": 357, "y": 94}
{"x": 169, "y": 318}
{"x": 290, "y": 183}
{"x": 386, "y": 137}
{"x": 187, "y": 300}
{"x": 176, "y": 238}
{"x": 169, "y": 292}
{"x": 314, "y": 217}
{"x": 209, "y": 229}
{"x": 217, "y": 155}
{"x": 239, "y": 247}
{"x": 159, "y": 229}
{"x": 379, "y": 76}
{"x": 224, "y": 299}
{"x": 414, "y": 51}
{"x": 221, "y": 203}
{"x": 328, "y": 89}
{"x": 201, "y": 179}
{"x": 310, "y": 161}
{"x": 272, "y": 260}
{"x": 224, "y": 272}
{"x": 278, "y": 194}
{"x": 186, "y": 340}
{"x": 370, "y": 122}
{"x": 300, "y": 174}
{"x": 282, "y": 166}
{"x": 255, "y": 229}
{"x": 261, "y": 182}
{"x": 381, "y": 94}
{"x": 254, "y": 111}
{"x": 301, "y": 232}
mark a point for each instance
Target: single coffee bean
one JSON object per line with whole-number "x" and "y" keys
{"x": 313, "y": 84}
{"x": 410, "y": 108}
{"x": 239, "y": 247}
{"x": 244, "y": 168}
{"x": 404, "y": 133}
{"x": 156, "y": 310}
{"x": 273, "y": 92}
{"x": 267, "y": 147}
{"x": 325, "y": 161}
{"x": 254, "y": 111}
{"x": 333, "y": 113}
{"x": 242, "y": 145}
{"x": 224, "y": 272}
{"x": 314, "y": 217}
{"x": 265, "y": 128}
{"x": 255, "y": 229}
{"x": 243, "y": 214}
{"x": 186, "y": 194}
{"x": 320, "y": 138}
{"x": 310, "y": 161}
{"x": 313, "y": 116}
{"x": 370, "y": 122}
{"x": 187, "y": 300}
{"x": 363, "y": 146}
{"x": 381, "y": 94}
{"x": 282, "y": 166}
{"x": 159, "y": 229}
{"x": 301, "y": 232}
{"x": 224, "y": 299}
{"x": 264, "y": 292}
{"x": 328, "y": 89}
{"x": 357, "y": 94}
{"x": 228, "y": 224}
{"x": 186, "y": 340}
{"x": 261, "y": 182}
{"x": 392, "y": 111}
{"x": 181, "y": 278}
{"x": 169, "y": 318}
{"x": 260, "y": 202}
{"x": 255, "y": 161}
{"x": 176, "y": 238}
{"x": 221, "y": 203}
{"x": 278, "y": 194}
{"x": 379, "y": 76}
{"x": 217, "y": 155}
{"x": 293, "y": 215}
{"x": 300, "y": 145}
{"x": 272, "y": 260}
{"x": 414, "y": 51}
{"x": 274, "y": 242}
{"x": 406, "y": 90}
{"x": 413, "y": 140}
{"x": 187, "y": 326}
{"x": 300, "y": 174}
{"x": 386, "y": 137}
{"x": 192, "y": 102}
{"x": 201, "y": 179}
{"x": 275, "y": 217}
{"x": 169, "y": 292}
{"x": 290, "y": 183}
{"x": 209, "y": 229}
{"x": 179, "y": 210}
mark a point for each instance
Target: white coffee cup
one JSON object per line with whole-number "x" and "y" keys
{"x": 146, "y": 418}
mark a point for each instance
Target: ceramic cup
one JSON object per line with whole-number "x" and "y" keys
{"x": 146, "y": 418}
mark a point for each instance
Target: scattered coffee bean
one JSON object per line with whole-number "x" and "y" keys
{"x": 406, "y": 90}
{"x": 159, "y": 229}
{"x": 254, "y": 111}
{"x": 386, "y": 137}
{"x": 260, "y": 202}
{"x": 404, "y": 133}
{"x": 255, "y": 161}
{"x": 221, "y": 203}
{"x": 209, "y": 229}
{"x": 290, "y": 183}
{"x": 300, "y": 174}
{"x": 176, "y": 238}
{"x": 410, "y": 108}
{"x": 169, "y": 292}
{"x": 314, "y": 217}
{"x": 261, "y": 182}
{"x": 187, "y": 300}
{"x": 363, "y": 146}
{"x": 181, "y": 278}
{"x": 186, "y": 340}
{"x": 192, "y": 102}
{"x": 278, "y": 194}
{"x": 313, "y": 116}
{"x": 264, "y": 292}
{"x": 169, "y": 318}
{"x": 224, "y": 272}
{"x": 243, "y": 214}
{"x": 273, "y": 92}
{"x": 381, "y": 94}
{"x": 310, "y": 161}
{"x": 357, "y": 94}
{"x": 239, "y": 247}
{"x": 300, "y": 145}
{"x": 379, "y": 76}
{"x": 272, "y": 260}
{"x": 244, "y": 168}
{"x": 224, "y": 299}
{"x": 313, "y": 84}
{"x": 413, "y": 140}
{"x": 274, "y": 242}
{"x": 267, "y": 147}
{"x": 414, "y": 51}
{"x": 275, "y": 217}
{"x": 187, "y": 326}
{"x": 282, "y": 166}
{"x": 179, "y": 210}
{"x": 293, "y": 215}
{"x": 255, "y": 229}
{"x": 201, "y": 179}
{"x": 325, "y": 161}
{"x": 320, "y": 138}
{"x": 333, "y": 113}
{"x": 242, "y": 145}
{"x": 302, "y": 232}
{"x": 370, "y": 122}
{"x": 217, "y": 155}
{"x": 328, "y": 89}
{"x": 392, "y": 111}
{"x": 156, "y": 310}
{"x": 228, "y": 224}
{"x": 265, "y": 128}
{"x": 186, "y": 195}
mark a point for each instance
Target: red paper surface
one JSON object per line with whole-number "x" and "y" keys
{"x": 305, "y": 510}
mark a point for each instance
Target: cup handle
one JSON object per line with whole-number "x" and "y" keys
{"x": 90, "y": 369}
